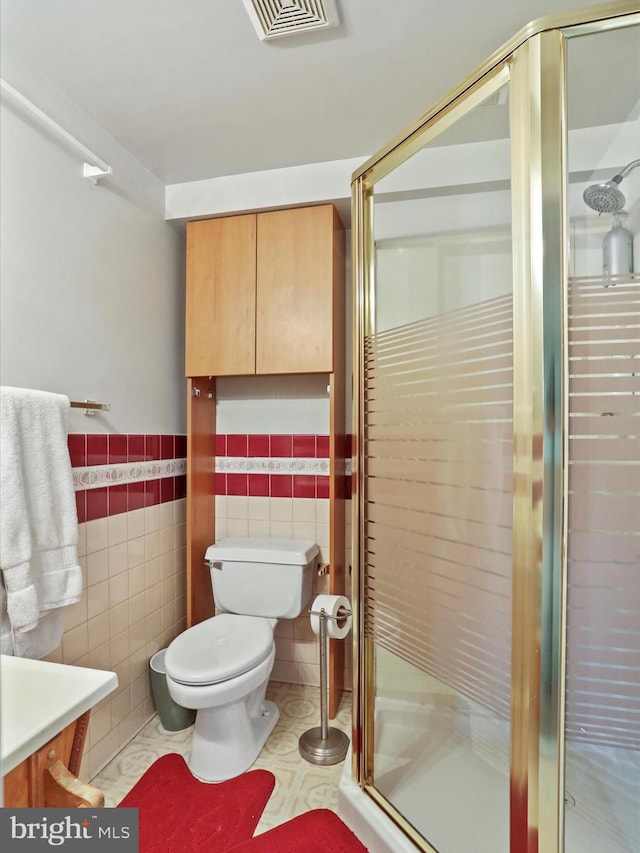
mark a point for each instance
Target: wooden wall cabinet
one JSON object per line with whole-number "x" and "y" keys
{"x": 265, "y": 295}
{"x": 261, "y": 290}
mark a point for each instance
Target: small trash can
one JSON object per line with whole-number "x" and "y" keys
{"x": 174, "y": 717}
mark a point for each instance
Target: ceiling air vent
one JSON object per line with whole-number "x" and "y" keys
{"x": 276, "y": 18}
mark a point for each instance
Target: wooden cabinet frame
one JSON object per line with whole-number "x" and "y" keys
{"x": 201, "y": 428}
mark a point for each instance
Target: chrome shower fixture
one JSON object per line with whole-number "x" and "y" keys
{"x": 606, "y": 197}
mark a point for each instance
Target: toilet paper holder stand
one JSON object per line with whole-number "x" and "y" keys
{"x": 324, "y": 744}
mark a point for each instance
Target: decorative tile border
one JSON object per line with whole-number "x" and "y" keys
{"x": 244, "y": 465}
{"x": 95, "y": 476}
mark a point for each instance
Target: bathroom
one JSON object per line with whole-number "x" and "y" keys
{"x": 98, "y": 312}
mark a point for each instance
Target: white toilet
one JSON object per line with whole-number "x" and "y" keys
{"x": 221, "y": 666}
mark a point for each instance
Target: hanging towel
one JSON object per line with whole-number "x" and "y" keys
{"x": 38, "y": 520}
{"x": 38, "y": 642}
{"x": 6, "y": 636}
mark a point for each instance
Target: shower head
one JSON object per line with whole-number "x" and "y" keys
{"x": 606, "y": 197}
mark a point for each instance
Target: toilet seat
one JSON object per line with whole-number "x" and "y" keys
{"x": 219, "y": 649}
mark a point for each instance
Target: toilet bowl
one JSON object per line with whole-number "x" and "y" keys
{"x": 227, "y": 689}
{"x": 221, "y": 666}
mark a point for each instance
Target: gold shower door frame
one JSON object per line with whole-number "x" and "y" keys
{"x": 534, "y": 63}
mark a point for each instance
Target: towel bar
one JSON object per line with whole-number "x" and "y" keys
{"x": 90, "y": 406}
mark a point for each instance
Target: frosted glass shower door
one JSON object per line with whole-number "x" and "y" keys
{"x": 602, "y": 725}
{"x": 438, "y": 424}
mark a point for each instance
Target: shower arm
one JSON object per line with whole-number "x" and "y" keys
{"x": 623, "y": 174}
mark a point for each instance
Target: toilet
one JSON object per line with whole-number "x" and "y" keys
{"x": 221, "y": 666}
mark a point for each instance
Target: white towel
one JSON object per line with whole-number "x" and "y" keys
{"x": 38, "y": 520}
{"x": 6, "y": 636}
{"x": 44, "y": 638}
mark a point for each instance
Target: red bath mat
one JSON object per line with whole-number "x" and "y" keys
{"x": 317, "y": 831}
{"x": 178, "y": 813}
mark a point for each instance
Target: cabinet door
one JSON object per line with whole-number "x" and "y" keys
{"x": 295, "y": 290}
{"x": 24, "y": 785}
{"x": 221, "y": 285}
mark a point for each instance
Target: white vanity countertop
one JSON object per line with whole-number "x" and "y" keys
{"x": 38, "y": 699}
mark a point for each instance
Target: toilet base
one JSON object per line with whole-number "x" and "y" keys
{"x": 233, "y": 721}
{"x": 227, "y": 741}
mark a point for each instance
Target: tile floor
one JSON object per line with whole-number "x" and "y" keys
{"x": 300, "y": 786}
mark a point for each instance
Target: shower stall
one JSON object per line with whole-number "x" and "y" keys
{"x": 497, "y": 458}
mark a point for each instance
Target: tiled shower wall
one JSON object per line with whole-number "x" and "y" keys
{"x": 277, "y": 485}
{"x": 130, "y": 492}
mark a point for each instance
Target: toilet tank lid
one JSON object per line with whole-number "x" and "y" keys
{"x": 297, "y": 552}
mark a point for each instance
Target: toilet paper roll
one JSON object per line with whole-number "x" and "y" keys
{"x": 331, "y": 604}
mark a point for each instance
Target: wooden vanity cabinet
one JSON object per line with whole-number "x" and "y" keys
{"x": 47, "y": 778}
{"x": 261, "y": 292}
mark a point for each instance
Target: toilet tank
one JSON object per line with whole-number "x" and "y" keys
{"x": 262, "y": 577}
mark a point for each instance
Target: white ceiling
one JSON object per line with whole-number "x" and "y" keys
{"x": 188, "y": 89}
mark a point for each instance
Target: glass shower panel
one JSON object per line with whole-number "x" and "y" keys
{"x": 602, "y": 730}
{"x": 438, "y": 510}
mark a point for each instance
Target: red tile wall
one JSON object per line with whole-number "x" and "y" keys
{"x": 100, "y": 449}
{"x": 275, "y": 447}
